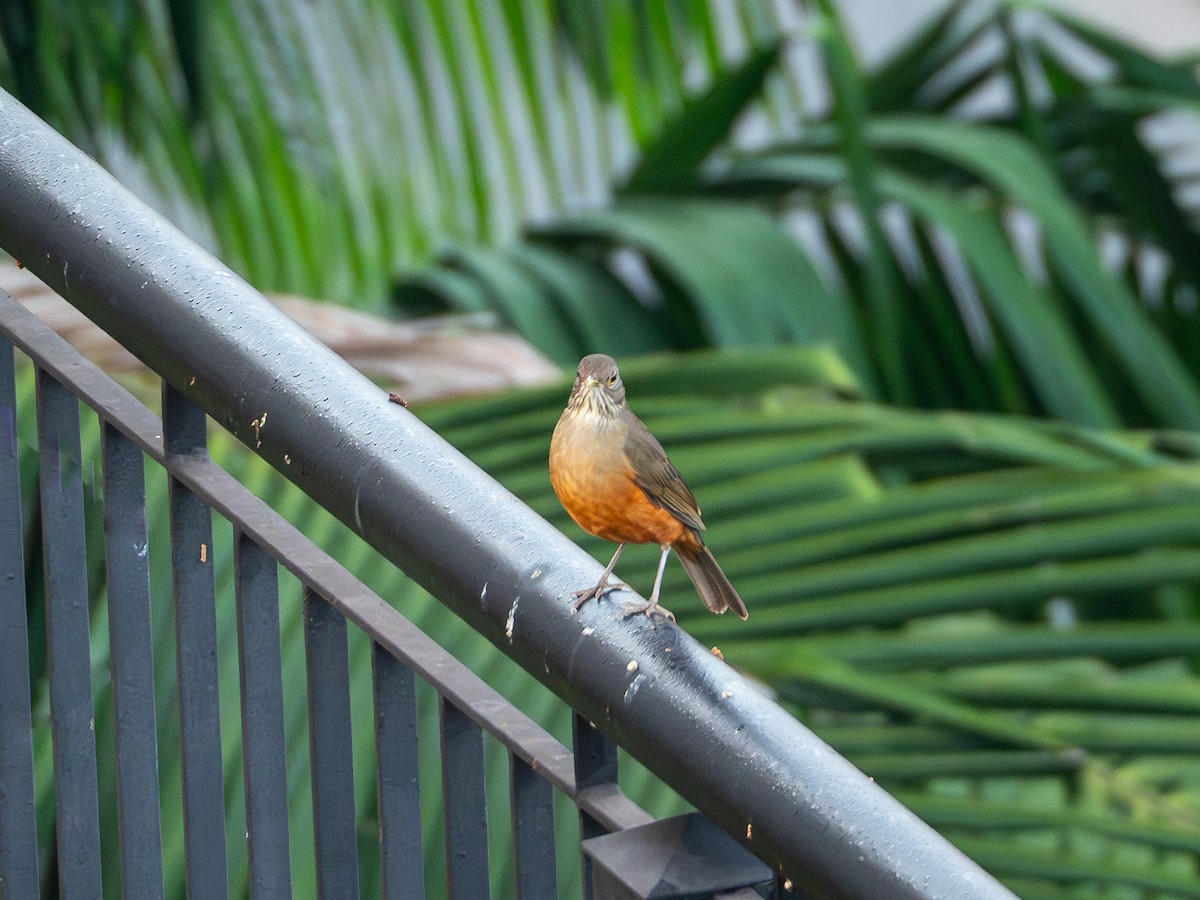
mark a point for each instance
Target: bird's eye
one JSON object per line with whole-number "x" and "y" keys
{"x": 613, "y": 379}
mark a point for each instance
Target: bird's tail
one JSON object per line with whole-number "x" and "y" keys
{"x": 712, "y": 585}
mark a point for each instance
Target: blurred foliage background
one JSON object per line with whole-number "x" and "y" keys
{"x": 942, "y": 384}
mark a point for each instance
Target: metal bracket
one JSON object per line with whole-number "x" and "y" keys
{"x": 682, "y": 858}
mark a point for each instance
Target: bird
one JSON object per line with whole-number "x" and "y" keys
{"x": 613, "y": 478}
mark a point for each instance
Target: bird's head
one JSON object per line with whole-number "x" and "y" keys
{"x": 598, "y": 386}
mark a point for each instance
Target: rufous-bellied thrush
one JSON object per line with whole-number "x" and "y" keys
{"x": 613, "y": 477}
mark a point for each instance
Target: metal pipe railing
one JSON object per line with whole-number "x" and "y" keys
{"x": 695, "y": 722}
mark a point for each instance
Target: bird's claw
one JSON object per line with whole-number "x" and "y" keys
{"x": 649, "y": 609}
{"x": 595, "y": 592}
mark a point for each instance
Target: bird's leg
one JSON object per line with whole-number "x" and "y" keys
{"x": 602, "y": 586}
{"x": 651, "y": 607}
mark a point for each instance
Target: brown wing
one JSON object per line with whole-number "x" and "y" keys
{"x": 655, "y": 475}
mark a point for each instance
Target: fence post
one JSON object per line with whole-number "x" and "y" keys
{"x": 18, "y": 826}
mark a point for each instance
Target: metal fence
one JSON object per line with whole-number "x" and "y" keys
{"x": 400, "y": 653}
{"x": 224, "y": 351}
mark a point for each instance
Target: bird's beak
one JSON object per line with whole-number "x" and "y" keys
{"x": 590, "y": 382}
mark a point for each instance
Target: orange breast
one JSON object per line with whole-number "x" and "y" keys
{"x": 595, "y": 483}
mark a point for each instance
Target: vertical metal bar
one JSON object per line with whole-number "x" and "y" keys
{"x": 131, "y": 661}
{"x": 256, "y": 575}
{"x": 398, "y": 777}
{"x": 77, "y": 816}
{"x": 465, "y": 801}
{"x": 533, "y": 832}
{"x": 330, "y": 748}
{"x": 18, "y": 826}
{"x": 196, "y": 660}
{"x": 595, "y": 763}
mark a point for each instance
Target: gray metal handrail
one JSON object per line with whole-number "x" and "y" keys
{"x": 695, "y": 722}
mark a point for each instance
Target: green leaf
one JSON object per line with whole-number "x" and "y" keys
{"x": 703, "y": 123}
{"x": 1134, "y": 66}
{"x": 725, "y": 269}
{"x": 596, "y": 307}
{"x": 520, "y": 299}
{"x": 902, "y": 80}
{"x": 1007, "y": 163}
{"x": 884, "y": 319}
{"x": 1051, "y": 356}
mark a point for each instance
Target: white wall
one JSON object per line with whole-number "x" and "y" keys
{"x": 1168, "y": 26}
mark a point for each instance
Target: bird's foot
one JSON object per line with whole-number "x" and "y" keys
{"x": 650, "y": 608}
{"x": 595, "y": 592}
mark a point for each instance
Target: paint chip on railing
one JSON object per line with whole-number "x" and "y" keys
{"x": 631, "y": 691}
{"x": 258, "y": 425}
{"x": 512, "y": 618}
